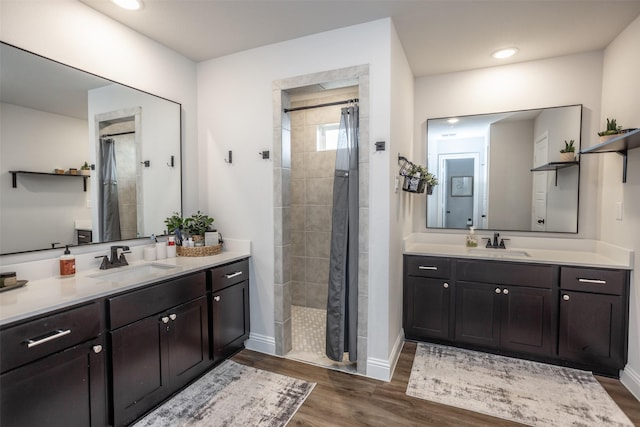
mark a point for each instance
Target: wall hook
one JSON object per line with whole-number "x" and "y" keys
{"x": 146, "y": 163}
{"x": 229, "y": 158}
{"x": 264, "y": 154}
{"x": 171, "y": 162}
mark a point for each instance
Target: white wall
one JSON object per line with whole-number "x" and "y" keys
{"x": 38, "y": 141}
{"x": 74, "y": 34}
{"x": 567, "y": 80}
{"x": 235, "y": 113}
{"x": 620, "y": 90}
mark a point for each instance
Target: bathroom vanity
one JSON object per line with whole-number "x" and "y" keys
{"x": 557, "y": 310}
{"x": 109, "y": 358}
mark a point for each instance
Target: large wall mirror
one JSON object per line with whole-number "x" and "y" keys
{"x": 54, "y": 119}
{"x": 503, "y": 171}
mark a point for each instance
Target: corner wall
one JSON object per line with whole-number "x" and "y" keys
{"x": 620, "y": 90}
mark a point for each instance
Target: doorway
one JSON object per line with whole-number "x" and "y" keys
{"x": 461, "y": 196}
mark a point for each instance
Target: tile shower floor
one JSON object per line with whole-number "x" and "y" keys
{"x": 308, "y": 339}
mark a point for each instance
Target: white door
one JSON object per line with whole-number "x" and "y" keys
{"x": 539, "y": 202}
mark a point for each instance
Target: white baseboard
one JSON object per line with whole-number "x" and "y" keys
{"x": 381, "y": 369}
{"x": 261, "y": 343}
{"x": 631, "y": 380}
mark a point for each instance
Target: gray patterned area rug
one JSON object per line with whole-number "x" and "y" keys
{"x": 530, "y": 393}
{"x": 233, "y": 395}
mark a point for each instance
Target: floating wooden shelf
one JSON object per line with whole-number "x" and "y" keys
{"x": 554, "y": 166}
{"x": 620, "y": 144}
{"x": 14, "y": 176}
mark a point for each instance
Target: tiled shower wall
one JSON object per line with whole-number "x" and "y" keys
{"x": 312, "y": 174}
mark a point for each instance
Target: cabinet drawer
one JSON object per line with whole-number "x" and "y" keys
{"x": 507, "y": 273}
{"x": 41, "y": 337}
{"x": 136, "y": 305}
{"x": 228, "y": 275}
{"x": 428, "y": 266}
{"x": 593, "y": 280}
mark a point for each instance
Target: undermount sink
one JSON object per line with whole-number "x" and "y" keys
{"x": 499, "y": 253}
{"x": 134, "y": 273}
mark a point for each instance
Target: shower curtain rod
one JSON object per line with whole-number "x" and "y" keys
{"x": 117, "y": 134}
{"x": 328, "y": 104}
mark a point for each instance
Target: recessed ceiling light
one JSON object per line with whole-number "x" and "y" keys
{"x": 129, "y": 4}
{"x": 453, "y": 120}
{"x": 505, "y": 53}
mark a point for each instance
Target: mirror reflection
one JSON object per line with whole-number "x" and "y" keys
{"x": 82, "y": 159}
{"x": 504, "y": 171}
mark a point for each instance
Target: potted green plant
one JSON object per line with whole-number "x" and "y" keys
{"x": 418, "y": 179}
{"x": 85, "y": 169}
{"x": 196, "y": 225}
{"x": 611, "y": 132}
{"x": 567, "y": 154}
{"x": 174, "y": 223}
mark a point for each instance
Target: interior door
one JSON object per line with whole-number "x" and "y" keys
{"x": 459, "y": 206}
{"x": 539, "y": 202}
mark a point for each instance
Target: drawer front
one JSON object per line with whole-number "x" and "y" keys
{"x": 136, "y": 305}
{"x": 230, "y": 274}
{"x": 507, "y": 273}
{"x": 423, "y": 266}
{"x": 597, "y": 280}
{"x": 38, "y": 338}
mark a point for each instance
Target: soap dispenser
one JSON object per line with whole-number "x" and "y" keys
{"x": 67, "y": 263}
{"x": 472, "y": 240}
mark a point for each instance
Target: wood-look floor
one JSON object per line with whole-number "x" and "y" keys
{"x": 341, "y": 399}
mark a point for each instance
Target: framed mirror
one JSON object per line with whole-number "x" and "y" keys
{"x": 56, "y": 119}
{"x": 503, "y": 171}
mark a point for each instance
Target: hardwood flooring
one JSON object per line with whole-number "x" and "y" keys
{"x": 341, "y": 399}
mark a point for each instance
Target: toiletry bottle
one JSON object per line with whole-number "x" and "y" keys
{"x": 67, "y": 263}
{"x": 472, "y": 240}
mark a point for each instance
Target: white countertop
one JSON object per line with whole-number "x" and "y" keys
{"x": 52, "y": 293}
{"x": 580, "y": 252}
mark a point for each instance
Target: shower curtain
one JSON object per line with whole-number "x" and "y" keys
{"x": 109, "y": 209}
{"x": 342, "y": 302}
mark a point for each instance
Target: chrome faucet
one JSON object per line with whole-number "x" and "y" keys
{"x": 115, "y": 261}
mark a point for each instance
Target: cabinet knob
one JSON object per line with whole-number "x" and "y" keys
{"x": 216, "y": 298}
{"x": 97, "y": 348}
{"x": 565, "y": 297}
{"x": 446, "y": 285}
{"x": 173, "y": 316}
{"x": 498, "y": 290}
{"x": 165, "y": 319}
{"x": 505, "y": 291}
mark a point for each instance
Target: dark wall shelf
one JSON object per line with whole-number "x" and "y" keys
{"x": 620, "y": 144}
{"x": 14, "y": 176}
{"x": 554, "y": 166}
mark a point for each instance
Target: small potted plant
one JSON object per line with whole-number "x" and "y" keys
{"x": 174, "y": 223}
{"x": 419, "y": 178}
{"x": 85, "y": 169}
{"x": 196, "y": 225}
{"x": 568, "y": 153}
{"x": 612, "y": 130}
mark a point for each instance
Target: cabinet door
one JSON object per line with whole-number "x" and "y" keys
{"x": 64, "y": 389}
{"x": 478, "y": 313}
{"x": 426, "y": 306}
{"x": 591, "y": 329}
{"x": 230, "y": 316}
{"x": 188, "y": 342}
{"x": 526, "y": 320}
{"x": 140, "y": 367}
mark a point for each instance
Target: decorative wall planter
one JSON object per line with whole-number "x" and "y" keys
{"x": 416, "y": 185}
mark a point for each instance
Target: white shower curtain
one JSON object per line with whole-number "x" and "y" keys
{"x": 342, "y": 302}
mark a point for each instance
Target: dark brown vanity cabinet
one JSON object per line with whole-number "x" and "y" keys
{"x": 229, "y": 308}
{"x": 594, "y": 317}
{"x": 427, "y": 297}
{"x": 505, "y": 305}
{"x": 53, "y": 371}
{"x": 159, "y": 342}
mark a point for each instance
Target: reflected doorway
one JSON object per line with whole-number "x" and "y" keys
{"x": 461, "y": 198}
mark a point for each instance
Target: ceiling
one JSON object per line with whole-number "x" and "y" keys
{"x": 438, "y": 36}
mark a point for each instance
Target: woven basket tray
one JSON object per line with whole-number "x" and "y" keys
{"x": 199, "y": 250}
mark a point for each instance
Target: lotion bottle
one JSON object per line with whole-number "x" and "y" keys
{"x": 67, "y": 263}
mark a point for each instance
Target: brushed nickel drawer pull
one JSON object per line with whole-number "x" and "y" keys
{"x": 232, "y": 275}
{"x": 427, "y": 267}
{"x": 596, "y": 281}
{"x": 59, "y": 334}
